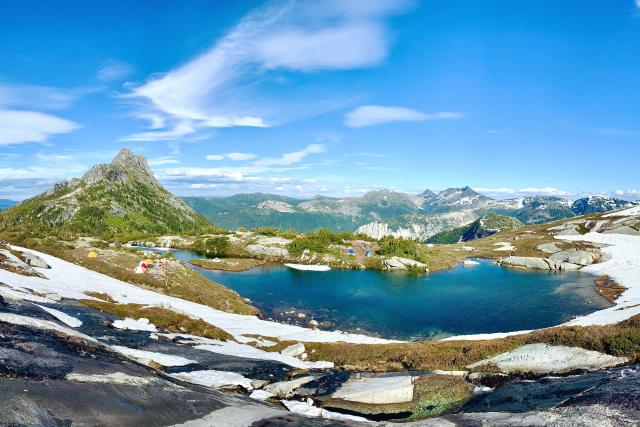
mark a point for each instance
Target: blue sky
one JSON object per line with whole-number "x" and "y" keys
{"x": 325, "y": 97}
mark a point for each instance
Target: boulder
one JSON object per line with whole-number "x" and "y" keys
{"x": 544, "y": 359}
{"x": 549, "y": 248}
{"x": 573, "y": 256}
{"x": 399, "y": 263}
{"x": 269, "y": 251}
{"x": 526, "y": 262}
{"x": 623, "y": 230}
{"x": 293, "y": 350}
{"x": 12, "y": 263}
{"x": 286, "y": 389}
{"x": 35, "y": 260}
{"x": 377, "y": 390}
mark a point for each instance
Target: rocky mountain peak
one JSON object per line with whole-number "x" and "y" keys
{"x": 124, "y": 165}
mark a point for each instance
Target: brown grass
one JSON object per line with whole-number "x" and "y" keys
{"x": 608, "y": 288}
{"x": 619, "y": 340}
{"x": 228, "y": 264}
{"x": 174, "y": 279}
{"x": 163, "y": 318}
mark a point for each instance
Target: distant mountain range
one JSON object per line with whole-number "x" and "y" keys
{"x": 382, "y": 213}
{"x": 121, "y": 198}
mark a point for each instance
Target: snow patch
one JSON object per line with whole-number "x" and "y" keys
{"x": 135, "y": 325}
{"x": 309, "y": 410}
{"x": 309, "y": 267}
{"x": 73, "y": 281}
{"x": 215, "y": 379}
{"x": 63, "y": 317}
{"x": 147, "y": 357}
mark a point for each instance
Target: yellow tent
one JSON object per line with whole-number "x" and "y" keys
{"x": 92, "y": 254}
{"x": 148, "y": 261}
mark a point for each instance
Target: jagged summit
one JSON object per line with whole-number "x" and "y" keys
{"x": 124, "y": 164}
{"x": 111, "y": 199}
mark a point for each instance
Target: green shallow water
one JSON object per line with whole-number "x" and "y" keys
{"x": 483, "y": 298}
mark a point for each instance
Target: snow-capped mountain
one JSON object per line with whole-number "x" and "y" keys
{"x": 382, "y": 213}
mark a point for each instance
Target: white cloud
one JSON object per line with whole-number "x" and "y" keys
{"x": 23, "y": 96}
{"x": 240, "y": 156}
{"x": 53, "y": 157}
{"x": 627, "y": 193}
{"x": 221, "y": 87}
{"x": 160, "y": 161}
{"x": 547, "y": 191}
{"x": 346, "y": 47}
{"x": 17, "y": 127}
{"x": 114, "y": 70}
{"x": 232, "y": 156}
{"x": 290, "y": 158}
{"x": 528, "y": 191}
{"x": 181, "y": 129}
{"x": 370, "y": 115}
{"x": 501, "y": 190}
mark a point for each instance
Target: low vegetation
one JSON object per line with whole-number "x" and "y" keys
{"x": 622, "y": 339}
{"x": 318, "y": 241}
{"x": 215, "y": 245}
{"x": 228, "y": 264}
{"x": 393, "y": 246}
{"x": 161, "y": 317}
{"x": 173, "y": 279}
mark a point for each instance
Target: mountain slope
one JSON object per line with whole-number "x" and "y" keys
{"x": 482, "y": 227}
{"x": 383, "y": 213}
{"x": 122, "y": 197}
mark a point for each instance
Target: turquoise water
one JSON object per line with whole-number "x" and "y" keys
{"x": 465, "y": 300}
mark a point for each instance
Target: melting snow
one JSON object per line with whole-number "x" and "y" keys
{"x": 72, "y": 281}
{"x": 63, "y": 317}
{"x": 135, "y": 325}
{"x": 146, "y": 357}
{"x": 216, "y": 379}
{"x": 313, "y": 411}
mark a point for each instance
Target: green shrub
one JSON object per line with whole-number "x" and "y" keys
{"x": 392, "y": 246}
{"x": 217, "y": 245}
{"x": 317, "y": 241}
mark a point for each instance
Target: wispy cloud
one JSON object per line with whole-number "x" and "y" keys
{"x": 19, "y": 124}
{"x": 23, "y": 96}
{"x": 631, "y": 193}
{"x": 221, "y": 87}
{"x": 257, "y": 175}
{"x": 160, "y": 161}
{"x": 113, "y": 70}
{"x": 232, "y": 156}
{"x": 290, "y": 158}
{"x": 370, "y": 115}
{"x": 528, "y": 191}
{"x": 17, "y": 127}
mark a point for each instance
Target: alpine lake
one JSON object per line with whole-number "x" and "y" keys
{"x": 467, "y": 299}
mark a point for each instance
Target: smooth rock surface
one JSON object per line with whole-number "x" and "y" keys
{"x": 377, "y": 390}
{"x": 549, "y": 248}
{"x": 286, "y": 389}
{"x": 399, "y": 263}
{"x": 573, "y": 256}
{"x": 293, "y": 350}
{"x": 542, "y": 359}
{"x": 267, "y": 251}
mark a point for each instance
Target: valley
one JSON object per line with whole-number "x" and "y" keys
{"x": 356, "y": 328}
